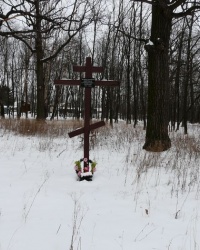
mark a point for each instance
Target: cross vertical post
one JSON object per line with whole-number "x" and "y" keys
{"x": 88, "y": 69}
{"x": 87, "y": 111}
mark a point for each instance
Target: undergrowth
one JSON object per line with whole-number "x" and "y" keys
{"x": 182, "y": 159}
{"x": 43, "y": 128}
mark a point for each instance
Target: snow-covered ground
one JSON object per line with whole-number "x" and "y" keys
{"x": 137, "y": 200}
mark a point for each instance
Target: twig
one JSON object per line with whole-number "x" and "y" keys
{"x": 8, "y": 247}
{"x": 61, "y": 152}
{"x": 141, "y": 231}
{"x": 35, "y": 198}
{"x": 177, "y": 212}
{"x": 58, "y": 229}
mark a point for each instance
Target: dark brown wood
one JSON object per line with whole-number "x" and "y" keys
{"x": 67, "y": 82}
{"x": 88, "y": 69}
{"x": 25, "y": 108}
{"x": 97, "y": 125}
{"x": 76, "y": 132}
{"x": 81, "y": 130}
{"x": 92, "y": 69}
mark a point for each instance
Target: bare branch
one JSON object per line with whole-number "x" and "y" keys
{"x": 64, "y": 44}
{"x": 132, "y": 37}
{"x": 13, "y": 32}
{"x": 176, "y": 4}
{"x": 145, "y": 1}
{"x": 188, "y": 12}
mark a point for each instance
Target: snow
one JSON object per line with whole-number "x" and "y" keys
{"x": 150, "y": 43}
{"x": 86, "y": 174}
{"x": 137, "y": 200}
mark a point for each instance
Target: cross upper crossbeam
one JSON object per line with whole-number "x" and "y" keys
{"x": 89, "y": 67}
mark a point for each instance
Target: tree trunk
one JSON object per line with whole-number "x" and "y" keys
{"x": 2, "y": 114}
{"x": 177, "y": 83}
{"x": 39, "y": 67}
{"x": 157, "y": 138}
{"x": 142, "y": 88}
{"x": 187, "y": 77}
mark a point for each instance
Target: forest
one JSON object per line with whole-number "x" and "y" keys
{"x": 152, "y": 47}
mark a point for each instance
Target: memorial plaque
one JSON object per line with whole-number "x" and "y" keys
{"x": 87, "y": 82}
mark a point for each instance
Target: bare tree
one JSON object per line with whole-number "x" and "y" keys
{"x": 35, "y": 23}
{"x": 163, "y": 12}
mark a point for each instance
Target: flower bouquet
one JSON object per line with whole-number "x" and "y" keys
{"x": 85, "y": 170}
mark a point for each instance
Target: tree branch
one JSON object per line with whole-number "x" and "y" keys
{"x": 189, "y": 11}
{"x": 65, "y": 43}
{"x": 12, "y": 32}
{"x": 176, "y": 4}
{"x": 145, "y": 1}
{"x": 25, "y": 42}
{"x": 132, "y": 37}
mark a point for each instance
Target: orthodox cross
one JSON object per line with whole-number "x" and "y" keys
{"x": 88, "y": 82}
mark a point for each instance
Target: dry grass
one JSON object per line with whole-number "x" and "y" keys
{"x": 182, "y": 160}
{"x": 42, "y": 128}
{"x": 178, "y": 168}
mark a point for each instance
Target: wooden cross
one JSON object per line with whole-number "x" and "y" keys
{"x": 88, "y": 82}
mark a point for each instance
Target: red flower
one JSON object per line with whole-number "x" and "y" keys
{"x": 86, "y": 169}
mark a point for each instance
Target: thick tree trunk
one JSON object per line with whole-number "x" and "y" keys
{"x": 157, "y": 138}
{"x": 41, "y": 114}
{"x": 2, "y": 114}
{"x": 40, "y": 90}
{"x": 187, "y": 78}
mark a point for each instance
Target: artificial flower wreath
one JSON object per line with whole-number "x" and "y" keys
{"x": 85, "y": 169}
